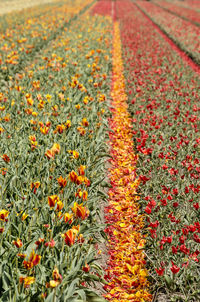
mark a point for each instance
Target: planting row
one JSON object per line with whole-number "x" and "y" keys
{"x": 192, "y": 4}
{"x": 53, "y": 146}
{"x": 17, "y": 17}
{"x": 126, "y": 272}
{"x": 185, "y": 34}
{"x": 186, "y": 13}
{"x": 164, "y": 102}
{"x": 21, "y": 42}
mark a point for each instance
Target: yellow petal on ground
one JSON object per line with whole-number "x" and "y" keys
{"x": 129, "y": 281}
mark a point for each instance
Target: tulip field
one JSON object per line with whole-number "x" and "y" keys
{"x": 100, "y": 151}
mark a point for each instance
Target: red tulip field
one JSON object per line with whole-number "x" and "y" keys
{"x": 100, "y": 151}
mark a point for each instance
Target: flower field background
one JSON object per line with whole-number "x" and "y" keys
{"x": 99, "y": 153}
{"x": 8, "y": 6}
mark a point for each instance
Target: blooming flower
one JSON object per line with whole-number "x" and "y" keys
{"x": 80, "y": 211}
{"x": 28, "y": 280}
{"x": 70, "y": 236}
{"x": 62, "y": 181}
{"x": 4, "y": 215}
{"x": 33, "y": 260}
{"x": 18, "y": 243}
{"x": 175, "y": 269}
{"x": 6, "y": 158}
{"x": 55, "y": 200}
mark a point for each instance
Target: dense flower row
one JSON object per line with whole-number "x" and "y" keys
{"x": 53, "y": 120}
{"x": 20, "y": 42}
{"x": 185, "y": 34}
{"x": 17, "y": 17}
{"x": 186, "y": 13}
{"x": 125, "y": 273}
{"x": 103, "y": 7}
{"x": 192, "y": 4}
{"x": 164, "y": 102}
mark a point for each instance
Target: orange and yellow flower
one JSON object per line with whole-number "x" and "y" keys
{"x": 70, "y": 235}
{"x": 33, "y": 260}
{"x": 54, "y": 200}
{"x": 80, "y": 211}
{"x": 57, "y": 279}
{"x": 127, "y": 275}
{"x": 18, "y": 243}
{"x": 50, "y": 153}
{"x": 4, "y": 215}
{"x": 28, "y": 280}
{"x": 62, "y": 181}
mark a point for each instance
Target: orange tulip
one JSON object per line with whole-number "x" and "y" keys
{"x": 4, "y": 215}
{"x": 52, "y": 200}
{"x": 80, "y": 211}
{"x": 1, "y": 130}
{"x": 35, "y": 186}
{"x": 33, "y": 260}
{"x": 21, "y": 255}
{"x": 18, "y": 243}
{"x": 85, "y": 122}
{"x": 49, "y": 154}
{"x": 81, "y": 130}
{"x": 57, "y": 279}
{"x": 56, "y": 276}
{"x": 68, "y": 124}
{"x": 60, "y": 205}
{"x": 87, "y": 181}
{"x": 68, "y": 218}
{"x": 80, "y": 180}
{"x": 59, "y": 129}
{"x": 79, "y": 193}
{"x": 81, "y": 170}
{"x": 44, "y": 130}
{"x": 32, "y": 138}
{"x": 6, "y": 158}
{"x": 74, "y": 153}
{"x": 85, "y": 195}
{"x": 70, "y": 237}
{"x": 27, "y": 281}
{"x": 62, "y": 181}
{"x": 56, "y": 148}
{"x": 73, "y": 176}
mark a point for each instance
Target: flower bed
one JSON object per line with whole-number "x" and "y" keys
{"x": 126, "y": 273}
{"x": 182, "y": 32}
{"x": 53, "y": 123}
{"x": 186, "y": 13}
{"x": 164, "y": 102}
{"x": 20, "y": 43}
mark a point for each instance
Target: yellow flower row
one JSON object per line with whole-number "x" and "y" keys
{"x": 126, "y": 270}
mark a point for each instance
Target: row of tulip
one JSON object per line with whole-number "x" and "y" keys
{"x": 186, "y": 13}
{"x": 192, "y": 4}
{"x": 163, "y": 96}
{"x": 126, "y": 273}
{"x": 185, "y": 34}
{"x": 53, "y": 121}
{"x": 125, "y": 268}
{"x": 17, "y": 17}
{"x": 21, "y": 42}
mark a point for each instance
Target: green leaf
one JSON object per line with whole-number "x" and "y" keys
{"x": 82, "y": 294}
{"x": 71, "y": 289}
{"x": 50, "y": 297}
